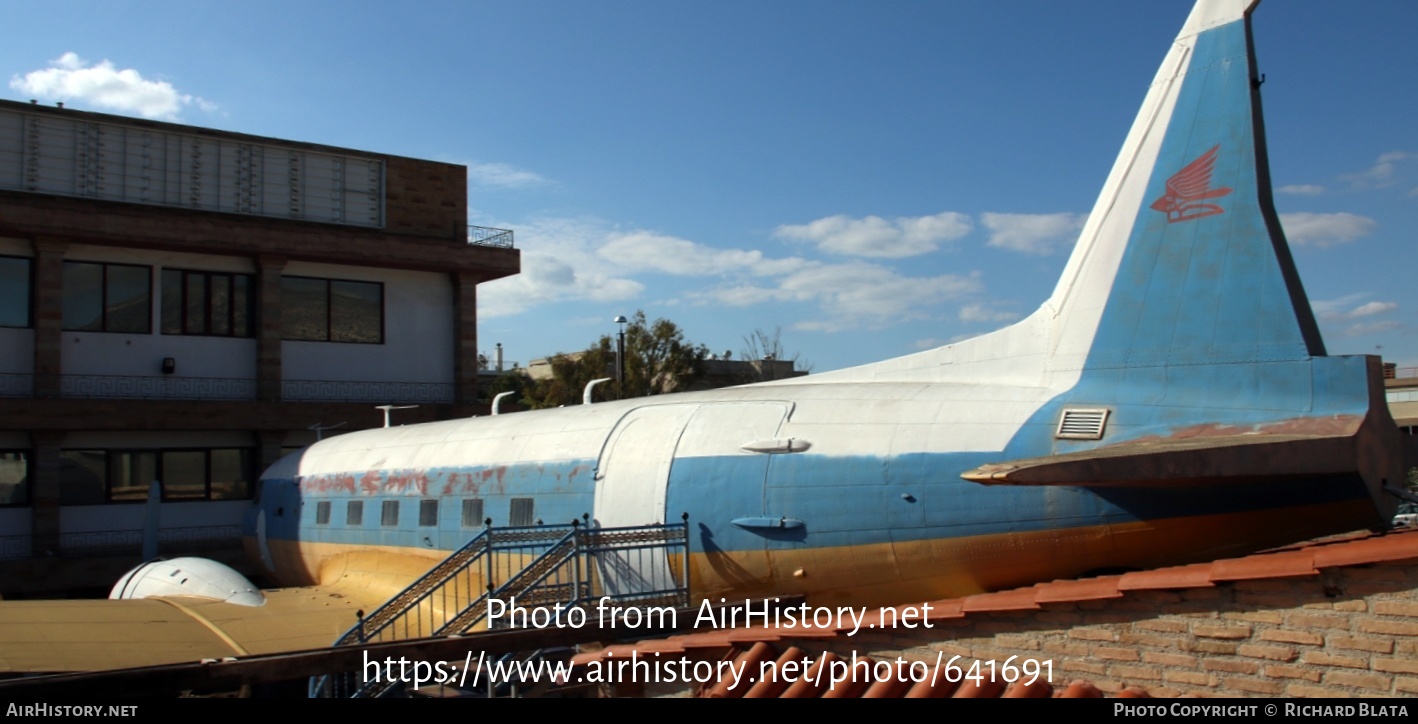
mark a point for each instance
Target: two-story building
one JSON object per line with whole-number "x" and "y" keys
{"x": 182, "y": 305}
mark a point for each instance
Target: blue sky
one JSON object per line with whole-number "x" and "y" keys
{"x": 873, "y": 178}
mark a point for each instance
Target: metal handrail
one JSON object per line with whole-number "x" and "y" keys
{"x": 488, "y": 236}
{"x": 152, "y": 387}
{"x": 561, "y": 573}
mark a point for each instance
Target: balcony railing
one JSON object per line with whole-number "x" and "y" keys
{"x": 156, "y": 388}
{"x": 486, "y": 236}
{"x": 170, "y": 540}
{"x": 226, "y": 388}
{"x": 381, "y": 392}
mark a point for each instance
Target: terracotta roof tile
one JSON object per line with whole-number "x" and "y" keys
{"x": 1019, "y": 599}
{"x": 1265, "y": 565}
{"x": 1396, "y": 546}
{"x": 751, "y": 645}
{"x": 1197, "y": 575}
{"x": 1087, "y": 589}
{"x": 772, "y": 686}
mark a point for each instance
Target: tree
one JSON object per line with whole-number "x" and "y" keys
{"x": 657, "y": 360}
{"x": 762, "y": 348}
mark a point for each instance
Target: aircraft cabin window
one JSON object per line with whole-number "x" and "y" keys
{"x": 521, "y": 513}
{"x": 389, "y": 516}
{"x": 428, "y": 513}
{"x": 322, "y": 513}
{"x": 14, "y": 291}
{"x": 354, "y": 513}
{"x": 472, "y": 512}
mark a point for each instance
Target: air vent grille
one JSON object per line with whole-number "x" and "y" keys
{"x": 1082, "y": 424}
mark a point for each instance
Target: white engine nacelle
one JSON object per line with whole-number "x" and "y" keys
{"x": 188, "y": 577}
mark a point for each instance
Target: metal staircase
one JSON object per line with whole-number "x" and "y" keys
{"x": 540, "y": 567}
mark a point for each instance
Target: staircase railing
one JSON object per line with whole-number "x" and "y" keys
{"x": 570, "y": 566}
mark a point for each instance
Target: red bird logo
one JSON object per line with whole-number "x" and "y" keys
{"x": 1188, "y": 188}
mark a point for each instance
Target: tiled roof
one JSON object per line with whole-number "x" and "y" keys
{"x": 756, "y": 644}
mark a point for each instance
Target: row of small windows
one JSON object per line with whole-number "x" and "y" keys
{"x": 520, "y": 513}
{"x": 90, "y": 477}
{"x": 102, "y": 297}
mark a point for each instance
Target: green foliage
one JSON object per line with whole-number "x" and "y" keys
{"x": 657, "y": 360}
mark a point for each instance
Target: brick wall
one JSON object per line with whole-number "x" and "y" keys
{"x": 1347, "y": 632}
{"x": 425, "y": 198}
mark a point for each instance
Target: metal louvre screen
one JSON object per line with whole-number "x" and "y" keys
{"x": 73, "y": 157}
{"x": 1082, "y": 424}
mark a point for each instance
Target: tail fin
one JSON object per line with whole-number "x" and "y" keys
{"x": 1183, "y": 260}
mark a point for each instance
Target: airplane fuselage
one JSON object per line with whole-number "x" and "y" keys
{"x": 847, "y": 492}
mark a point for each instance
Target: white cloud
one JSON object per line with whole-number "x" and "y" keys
{"x": 588, "y": 259}
{"x": 1382, "y": 172}
{"x": 559, "y": 263}
{"x": 1033, "y": 233}
{"x": 102, "y": 85}
{"x": 852, "y": 294}
{"x": 874, "y": 236}
{"x": 1373, "y": 308}
{"x": 1363, "y": 328}
{"x": 1340, "y": 315}
{"x": 1325, "y": 230}
{"x": 982, "y": 313}
{"x": 503, "y": 176}
{"x": 672, "y": 255}
{"x": 1301, "y": 189}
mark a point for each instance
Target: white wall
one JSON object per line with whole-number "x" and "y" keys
{"x": 141, "y": 355}
{"x": 418, "y": 331}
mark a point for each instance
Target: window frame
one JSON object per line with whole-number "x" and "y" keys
{"x": 28, "y": 292}
{"x": 330, "y": 326}
{"x": 180, "y": 326}
{"x": 522, "y": 512}
{"x": 472, "y": 513}
{"x": 104, "y": 304}
{"x": 27, "y": 497}
{"x": 110, "y": 460}
{"x": 354, "y": 514}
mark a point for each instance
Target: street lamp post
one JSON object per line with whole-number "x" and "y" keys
{"x": 620, "y": 357}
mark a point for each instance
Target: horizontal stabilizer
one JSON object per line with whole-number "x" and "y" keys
{"x": 1210, "y": 460}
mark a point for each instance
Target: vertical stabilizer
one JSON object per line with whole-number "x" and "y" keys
{"x": 1183, "y": 260}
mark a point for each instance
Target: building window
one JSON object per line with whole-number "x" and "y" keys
{"x": 354, "y": 513}
{"x": 14, "y": 477}
{"x": 428, "y": 513}
{"x": 521, "y": 512}
{"x": 209, "y": 303}
{"x": 322, "y": 513}
{"x": 389, "y": 516}
{"x": 107, "y": 297}
{"x": 91, "y": 477}
{"x": 14, "y": 291}
{"x": 472, "y": 512}
{"x": 331, "y": 310}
